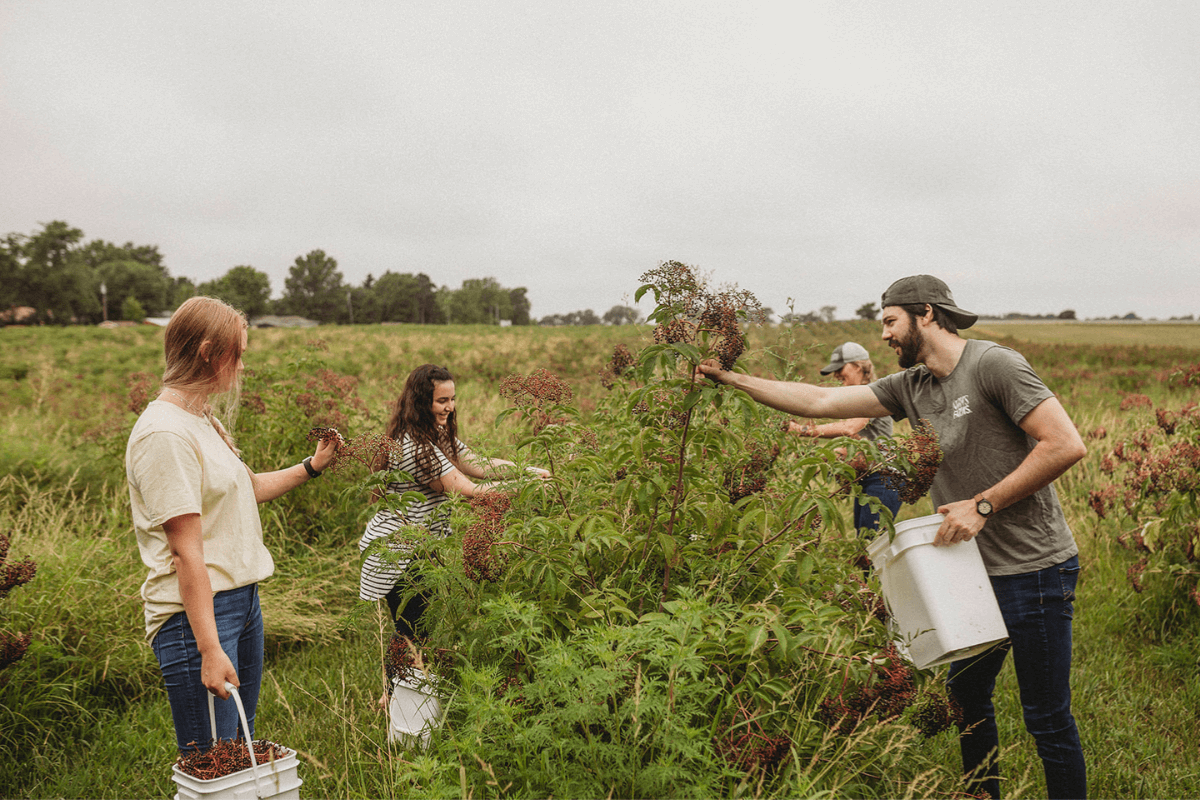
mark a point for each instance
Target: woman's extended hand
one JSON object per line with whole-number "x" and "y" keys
{"x": 544, "y": 474}
{"x": 326, "y": 450}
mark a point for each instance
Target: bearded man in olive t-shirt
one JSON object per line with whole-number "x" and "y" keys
{"x": 1005, "y": 438}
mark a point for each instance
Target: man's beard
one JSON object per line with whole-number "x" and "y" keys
{"x": 910, "y": 348}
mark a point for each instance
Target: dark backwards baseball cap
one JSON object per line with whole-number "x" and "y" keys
{"x": 927, "y": 289}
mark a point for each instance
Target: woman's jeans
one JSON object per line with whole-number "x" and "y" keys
{"x": 1037, "y": 609}
{"x": 240, "y": 628}
{"x": 866, "y": 519}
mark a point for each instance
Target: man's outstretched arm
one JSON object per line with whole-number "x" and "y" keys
{"x": 801, "y": 399}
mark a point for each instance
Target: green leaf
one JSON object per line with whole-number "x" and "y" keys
{"x": 757, "y": 639}
{"x": 688, "y": 351}
{"x": 783, "y": 636}
{"x": 667, "y": 544}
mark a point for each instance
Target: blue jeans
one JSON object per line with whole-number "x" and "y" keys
{"x": 1037, "y": 609}
{"x": 240, "y": 628}
{"x": 874, "y": 486}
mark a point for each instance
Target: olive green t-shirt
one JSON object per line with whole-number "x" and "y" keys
{"x": 976, "y": 411}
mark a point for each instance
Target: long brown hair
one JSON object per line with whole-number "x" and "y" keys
{"x": 203, "y": 337}
{"x": 413, "y": 416}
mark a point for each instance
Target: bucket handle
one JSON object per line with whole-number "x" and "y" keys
{"x": 212, "y": 719}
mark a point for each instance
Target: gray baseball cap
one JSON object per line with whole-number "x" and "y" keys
{"x": 843, "y": 354}
{"x": 927, "y": 289}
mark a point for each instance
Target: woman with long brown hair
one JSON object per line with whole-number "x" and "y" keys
{"x": 195, "y": 511}
{"x": 424, "y": 427}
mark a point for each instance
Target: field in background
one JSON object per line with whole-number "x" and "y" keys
{"x": 1149, "y": 334}
{"x": 64, "y": 409}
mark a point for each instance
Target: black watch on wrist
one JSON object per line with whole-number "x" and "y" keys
{"x": 308, "y": 467}
{"x": 983, "y": 506}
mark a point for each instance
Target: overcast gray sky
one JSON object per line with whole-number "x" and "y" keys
{"x": 1037, "y": 156}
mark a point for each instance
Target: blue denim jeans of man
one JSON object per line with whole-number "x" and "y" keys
{"x": 1037, "y": 608}
{"x": 240, "y": 628}
{"x": 866, "y": 519}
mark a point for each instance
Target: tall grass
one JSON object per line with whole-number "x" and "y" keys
{"x": 84, "y": 713}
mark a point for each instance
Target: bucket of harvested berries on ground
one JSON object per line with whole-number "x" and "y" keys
{"x": 232, "y": 771}
{"x": 940, "y": 599}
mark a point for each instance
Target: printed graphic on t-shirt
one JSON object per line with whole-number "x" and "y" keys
{"x": 962, "y": 406}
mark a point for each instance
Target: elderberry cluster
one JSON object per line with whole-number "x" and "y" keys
{"x": 536, "y": 395}
{"x": 923, "y": 455}
{"x": 140, "y": 385}
{"x": 13, "y": 647}
{"x": 323, "y": 397}
{"x": 934, "y": 712}
{"x": 751, "y": 477}
{"x": 620, "y": 363}
{"x": 689, "y": 309}
{"x": 365, "y": 449}
{"x": 1150, "y": 472}
{"x": 400, "y": 659}
{"x": 13, "y": 575}
{"x": 1134, "y": 573}
{"x": 481, "y": 560}
{"x": 753, "y": 751}
{"x": 891, "y": 691}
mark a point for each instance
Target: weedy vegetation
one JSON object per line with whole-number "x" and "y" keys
{"x": 681, "y": 611}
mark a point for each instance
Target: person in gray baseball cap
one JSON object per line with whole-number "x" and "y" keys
{"x": 1005, "y": 438}
{"x": 851, "y": 364}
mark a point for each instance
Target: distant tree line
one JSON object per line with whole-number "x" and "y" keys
{"x": 65, "y": 280}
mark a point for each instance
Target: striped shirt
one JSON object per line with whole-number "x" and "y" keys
{"x": 376, "y": 578}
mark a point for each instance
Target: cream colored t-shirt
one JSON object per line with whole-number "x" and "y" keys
{"x": 177, "y": 464}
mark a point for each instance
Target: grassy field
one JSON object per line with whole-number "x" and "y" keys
{"x": 99, "y": 724}
{"x": 1147, "y": 334}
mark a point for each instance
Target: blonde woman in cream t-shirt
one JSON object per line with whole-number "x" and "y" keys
{"x": 195, "y": 511}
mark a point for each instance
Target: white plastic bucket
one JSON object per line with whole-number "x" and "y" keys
{"x": 940, "y": 599}
{"x": 413, "y": 713}
{"x": 278, "y": 779}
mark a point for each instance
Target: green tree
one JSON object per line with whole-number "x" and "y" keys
{"x": 132, "y": 310}
{"x": 10, "y": 271}
{"x": 98, "y": 251}
{"x": 314, "y": 288}
{"x": 181, "y": 289}
{"x": 129, "y": 268}
{"x": 145, "y": 282}
{"x": 519, "y": 304}
{"x": 53, "y": 279}
{"x": 244, "y": 288}
{"x": 479, "y": 301}
{"x": 867, "y": 311}
{"x": 402, "y": 297}
{"x": 622, "y": 315}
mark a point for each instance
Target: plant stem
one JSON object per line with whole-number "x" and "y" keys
{"x": 687, "y": 422}
{"x": 557, "y": 488}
